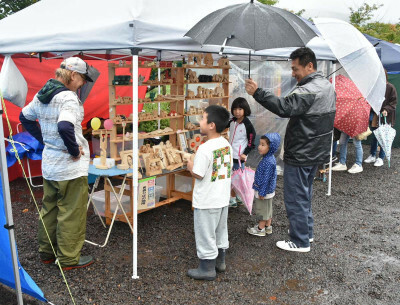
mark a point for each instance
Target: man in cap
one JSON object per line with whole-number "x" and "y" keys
{"x": 65, "y": 164}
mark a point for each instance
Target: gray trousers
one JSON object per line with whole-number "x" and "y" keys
{"x": 211, "y": 231}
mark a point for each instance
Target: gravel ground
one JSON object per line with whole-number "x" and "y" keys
{"x": 355, "y": 258}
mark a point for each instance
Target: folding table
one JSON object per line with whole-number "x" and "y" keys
{"x": 106, "y": 174}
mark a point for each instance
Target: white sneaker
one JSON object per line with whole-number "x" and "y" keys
{"x": 370, "y": 159}
{"x": 291, "y": 246}
{"x": 355, "y": 169}
{"x": 339, "y": 167}
{"x": 378, "y": 162}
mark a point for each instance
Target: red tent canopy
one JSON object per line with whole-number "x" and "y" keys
{"x": 37, "y": 73}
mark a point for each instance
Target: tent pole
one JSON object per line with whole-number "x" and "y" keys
{"x": 330, "y": 159}
{"x": 135, "y": 144}
{"x": 8, "y": 210}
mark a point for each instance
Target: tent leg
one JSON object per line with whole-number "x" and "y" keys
{"x": 8, "y": 211}
{"x": 135, "y": 161}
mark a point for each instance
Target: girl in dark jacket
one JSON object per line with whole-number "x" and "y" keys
{"x": 241, "y": 136}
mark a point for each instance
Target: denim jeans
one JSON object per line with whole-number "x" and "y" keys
{"x": 374, "y": 145}
{"x": 344, "y": 139}
{"x": 297, "y": 192}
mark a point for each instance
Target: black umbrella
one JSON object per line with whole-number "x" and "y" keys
{"x": 253, "y": 26}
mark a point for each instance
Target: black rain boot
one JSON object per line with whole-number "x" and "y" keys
{"x": 205, "y": 271}
{"x": 220, "y": 263}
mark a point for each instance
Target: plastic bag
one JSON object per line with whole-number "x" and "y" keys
{"x": 12, "y": 84}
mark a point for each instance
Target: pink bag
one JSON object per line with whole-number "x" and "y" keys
{"x": 242, "y": 183}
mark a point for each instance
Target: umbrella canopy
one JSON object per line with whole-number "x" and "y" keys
{"x": 352, "y": 110}
{"x": 253, "y": 26}
{"x": 357, "y": 56}
{"x": 385, "y": 135}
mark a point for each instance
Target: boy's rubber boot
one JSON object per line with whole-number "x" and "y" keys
{"x": 205, "y": 271}
{"x": 220, "y": 262}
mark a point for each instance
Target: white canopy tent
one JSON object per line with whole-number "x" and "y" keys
{"x": 121, "y": 27}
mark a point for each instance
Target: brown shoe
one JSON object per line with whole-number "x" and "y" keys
{"x": 46, "y": 258}
{"x": 84, "y": 261}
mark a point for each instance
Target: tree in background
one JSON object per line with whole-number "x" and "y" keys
{"x": 8, "y": 7}
{"x": 361, "y": 16}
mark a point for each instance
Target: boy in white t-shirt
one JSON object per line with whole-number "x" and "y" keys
{"x": 212, "y": 168}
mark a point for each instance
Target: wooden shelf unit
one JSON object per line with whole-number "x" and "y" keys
{"x": 179, "y": 87}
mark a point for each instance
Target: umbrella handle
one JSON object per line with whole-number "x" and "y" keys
{"x": 249, "y": 63}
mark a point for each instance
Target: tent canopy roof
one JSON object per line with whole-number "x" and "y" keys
{"x": 97, "y": 25}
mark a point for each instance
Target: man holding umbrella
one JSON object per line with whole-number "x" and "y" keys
{"x": 311, "y": 109}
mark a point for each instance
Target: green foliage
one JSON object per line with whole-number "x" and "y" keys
{"x": 269, "y": 2}
{"x": 153, "y": 125}
{"x": 385, "y": 31}
{"x": 364, "y": 13}
{"x": 8, "y": 7}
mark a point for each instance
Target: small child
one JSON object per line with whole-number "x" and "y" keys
{"x": 265, "y": 184}
{"x": 212, "y": 168}
{"x": 241, "y": 136}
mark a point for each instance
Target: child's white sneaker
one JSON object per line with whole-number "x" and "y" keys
{"x": 378, "y": 162}
{"x": 233, "y": 202}
{"x": 370, "y": 159}
{"x": 268, "y": 230}
{"x": 256, "y": 231}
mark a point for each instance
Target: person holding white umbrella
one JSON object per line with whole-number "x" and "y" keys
{"x": 388, "y": 111}
{"x": 311, "y": 109}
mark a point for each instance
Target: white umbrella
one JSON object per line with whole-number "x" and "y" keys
{"x": 357, "y": 56}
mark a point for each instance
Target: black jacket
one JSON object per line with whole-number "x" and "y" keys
{"x": 311, "y": 107}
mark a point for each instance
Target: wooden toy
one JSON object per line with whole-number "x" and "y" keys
{"x": 159, "y": 150}
{"x": 196, "y": 141}
{"x": 208, "y": 60}
{"x": 190, "y": 126}
{"x": 192, "y": 76}
{"x": 217, "y": 78}
{"x": 218, "y": 91}
{"x": 174, "y": 159}
{"x": 190, "y": 94}
{"x": 225, "y": 78}
{"x": 190, "y": 60}
{"x": 153, "y": 166}
{"x": 159, "y": 98}
{"x": 146, "y": 149}
{"x": 197, "y": 58}
{"x": 199, "y": 92}
{"x": 103, "y": 146}
{"x": 223, "y": 62}
{"x": 186, "y": 156}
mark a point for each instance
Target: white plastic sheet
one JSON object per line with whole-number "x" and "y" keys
{"x": 13, "y": 85}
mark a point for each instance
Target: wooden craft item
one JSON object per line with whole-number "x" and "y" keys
{"x": 153, "y": 166}
{"x": 190, "y": 94}
{"x": 196, "y": 141}
{"x": 223, "y": 62}
{"x": 182, "y": 140}
{"x": 199, "y": 92}
{"x": 218, "y": 91}
{"x": 186, "y": 156}
{"x": 174, "y": 159}
{"x": 103, "y": 147}
{"x": 208, "y": 60}
{"x": 126, "y": 159}
{"x": 159, "y": 151}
